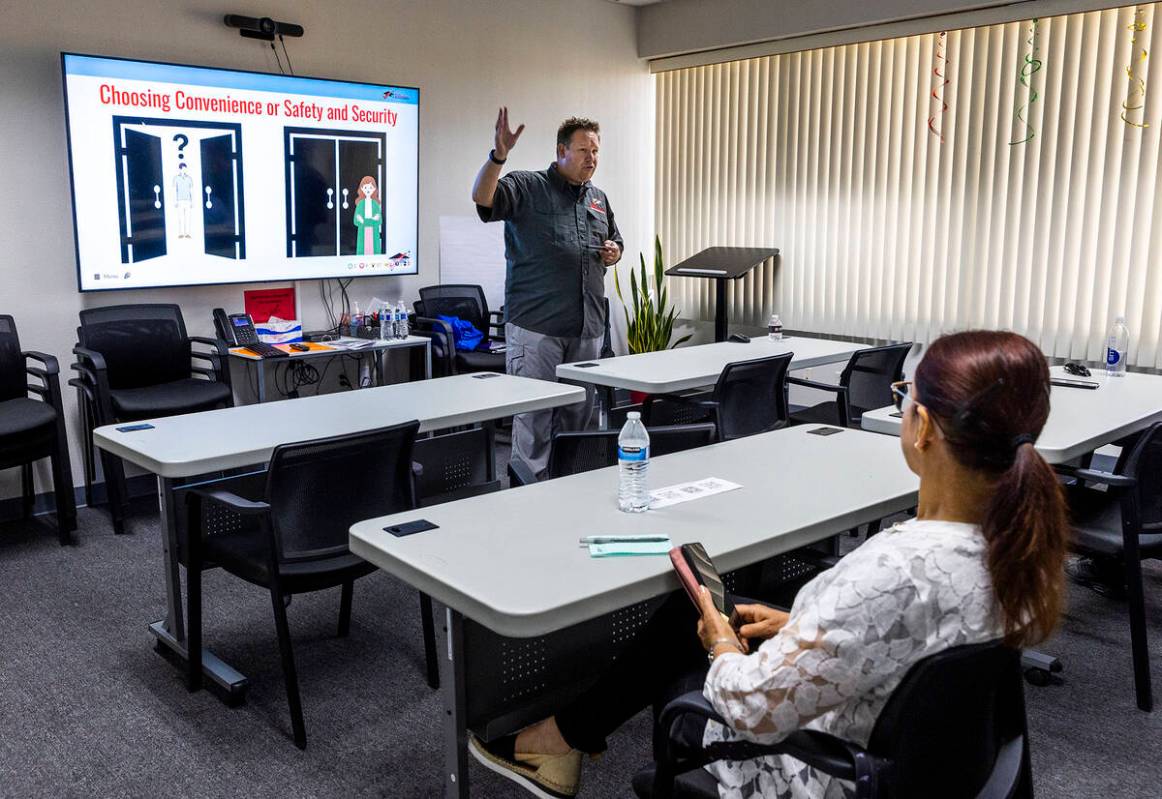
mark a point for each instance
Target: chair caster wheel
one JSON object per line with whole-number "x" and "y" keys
{"x": 1038, "y": 677}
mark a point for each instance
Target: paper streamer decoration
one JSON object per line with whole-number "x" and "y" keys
{"x": 939, "y": 81}
{"x": 1031, "y": 66}
{"x": 1136, "y": 94}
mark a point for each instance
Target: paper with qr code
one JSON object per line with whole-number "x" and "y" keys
{"x": 684, "y": 492}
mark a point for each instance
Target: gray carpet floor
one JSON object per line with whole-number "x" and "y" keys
{"x": 88, "y": 709}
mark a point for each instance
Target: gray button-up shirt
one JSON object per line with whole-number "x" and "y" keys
{"x": 553, "y": 232}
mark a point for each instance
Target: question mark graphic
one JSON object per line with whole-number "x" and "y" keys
{"x": 182, "y": 140}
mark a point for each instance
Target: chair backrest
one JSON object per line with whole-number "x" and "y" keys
{"x": 752, "y": 396}
{"x": 462, "y": 300}
{"x": 143, "y": 345}
{"x": 576, "y": 452}
{"x": 1144, "y": 464}
{"x": 947, "y": 720}
{"x": 13, "y": 378}
{"x": 869, "y": 376}
{"x": 455, "y": 465}
{"x": 318, "y": 489}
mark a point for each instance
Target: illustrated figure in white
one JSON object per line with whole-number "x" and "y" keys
{"x": 183, "y": 191}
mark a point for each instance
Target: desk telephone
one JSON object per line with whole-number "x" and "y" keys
{"x": 237, "y": 330}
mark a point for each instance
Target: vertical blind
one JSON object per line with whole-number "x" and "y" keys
{"x": 985, "y": 177}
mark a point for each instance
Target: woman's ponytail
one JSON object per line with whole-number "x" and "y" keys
{"x": 1026, "y": 529}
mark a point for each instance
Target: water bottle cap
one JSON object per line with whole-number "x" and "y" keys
{"x": 633, "y": 415}
{"x": 1121, "y": 320}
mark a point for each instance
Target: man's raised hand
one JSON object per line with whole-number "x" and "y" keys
{"x": 505, "y": 138}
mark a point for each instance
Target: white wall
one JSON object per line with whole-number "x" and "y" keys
{"x": 545, "y": 59}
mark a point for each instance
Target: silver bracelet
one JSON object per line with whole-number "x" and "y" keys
{"x": 728, "y": 641}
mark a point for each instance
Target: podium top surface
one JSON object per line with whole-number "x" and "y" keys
{"x": 728, "y": 263}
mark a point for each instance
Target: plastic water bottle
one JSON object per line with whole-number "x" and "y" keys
{"x": 401, "y": 326}
{"x": 633, "y": 463}
{"x": 775, "y": 328}
{"x": 1117, "y": 346}
{"x": 384, "y": 324}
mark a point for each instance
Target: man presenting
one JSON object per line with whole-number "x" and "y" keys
{"x": 559, "y": 236}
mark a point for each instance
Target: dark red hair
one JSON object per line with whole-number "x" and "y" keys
{"x": 988, "y": 391}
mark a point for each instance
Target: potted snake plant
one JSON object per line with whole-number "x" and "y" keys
{"x": 649, "y": 319}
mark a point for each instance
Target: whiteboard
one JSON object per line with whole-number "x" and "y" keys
{"x": 473, "y": 252}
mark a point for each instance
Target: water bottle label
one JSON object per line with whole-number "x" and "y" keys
{"x": 633, "y": 453}
{"x": 1112, "y": 356}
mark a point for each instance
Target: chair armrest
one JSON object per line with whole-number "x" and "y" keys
{"x": 217, "y": 356}
{"x": 81, "y": 385}
{"x": 94, "y": 359}
{"x": 520, "y": 474}
{"x": 1097, "y": 476}
{"x": 443, "y": 342}
{"x": 798, "y": 381}
{"x": 436, "y": 326}
{"x": 51, "y": 365}
{"x": 86, "y": 375}
{"x": 241, "y": 505}
{"x": 1105, "y": 478}
{"x": 692, "y": 702}
{"x": 825, "y": 752}
{"x": 496, "y": 322}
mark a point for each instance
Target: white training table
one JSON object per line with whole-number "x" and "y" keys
{"x": 511, "y": 561}
{"x": 685, "y": 368}
{"x": 195, "y": 448}
{"x": 1080, "y": 419}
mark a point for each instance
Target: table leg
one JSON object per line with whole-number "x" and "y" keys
{"x": 427, "y": 359}
{"x": 490, "y": 447}
{"x": 453, "y": 692}
{"x": 171, "y": 631}
{"x": 379, "y": 370}
{"x": 174, "y": 621}
{"x": 261, "y": 381}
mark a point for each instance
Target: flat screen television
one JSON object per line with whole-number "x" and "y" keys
{"x": 185, "y": 175}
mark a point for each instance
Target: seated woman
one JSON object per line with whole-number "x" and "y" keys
{"x": 982, "y": 560}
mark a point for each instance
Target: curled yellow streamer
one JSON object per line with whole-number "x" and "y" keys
{"x": 1136, "y": 93}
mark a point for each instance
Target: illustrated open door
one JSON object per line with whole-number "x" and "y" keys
{"x": 141, "y": 199}
{"x": 222, "y": 211}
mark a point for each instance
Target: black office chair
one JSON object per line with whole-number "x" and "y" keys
{"x": 750, "y": 397}
{"x": 295, "y": 541}
{"x": 134, "y": 362}
{"x": 954, "y": 727}
{"x": 576, "y": 452}
{"x": 864, "y": 384}
{"x": 31, "y": 429}
{"x": 466, "y": 302}
{"x": 1125, "y": 522}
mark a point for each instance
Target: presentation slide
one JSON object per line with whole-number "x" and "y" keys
{"x": 188, "y": 175}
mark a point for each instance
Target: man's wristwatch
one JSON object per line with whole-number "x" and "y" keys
{"x": 492, "y": 157}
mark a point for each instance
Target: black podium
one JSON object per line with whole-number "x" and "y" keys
{"x": 722, "y": 264}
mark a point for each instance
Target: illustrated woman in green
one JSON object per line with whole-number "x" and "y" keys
{"x": 368, "y": 218}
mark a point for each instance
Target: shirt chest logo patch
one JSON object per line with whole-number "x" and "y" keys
{"x": 595, "y": 205}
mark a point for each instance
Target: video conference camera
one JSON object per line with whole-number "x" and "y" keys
{"x": 263, "y": 28}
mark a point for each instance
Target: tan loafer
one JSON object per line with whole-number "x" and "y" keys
{"x": 546, "y": 776}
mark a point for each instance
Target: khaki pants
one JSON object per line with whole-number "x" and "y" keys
{"x": 529, "y": 354}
